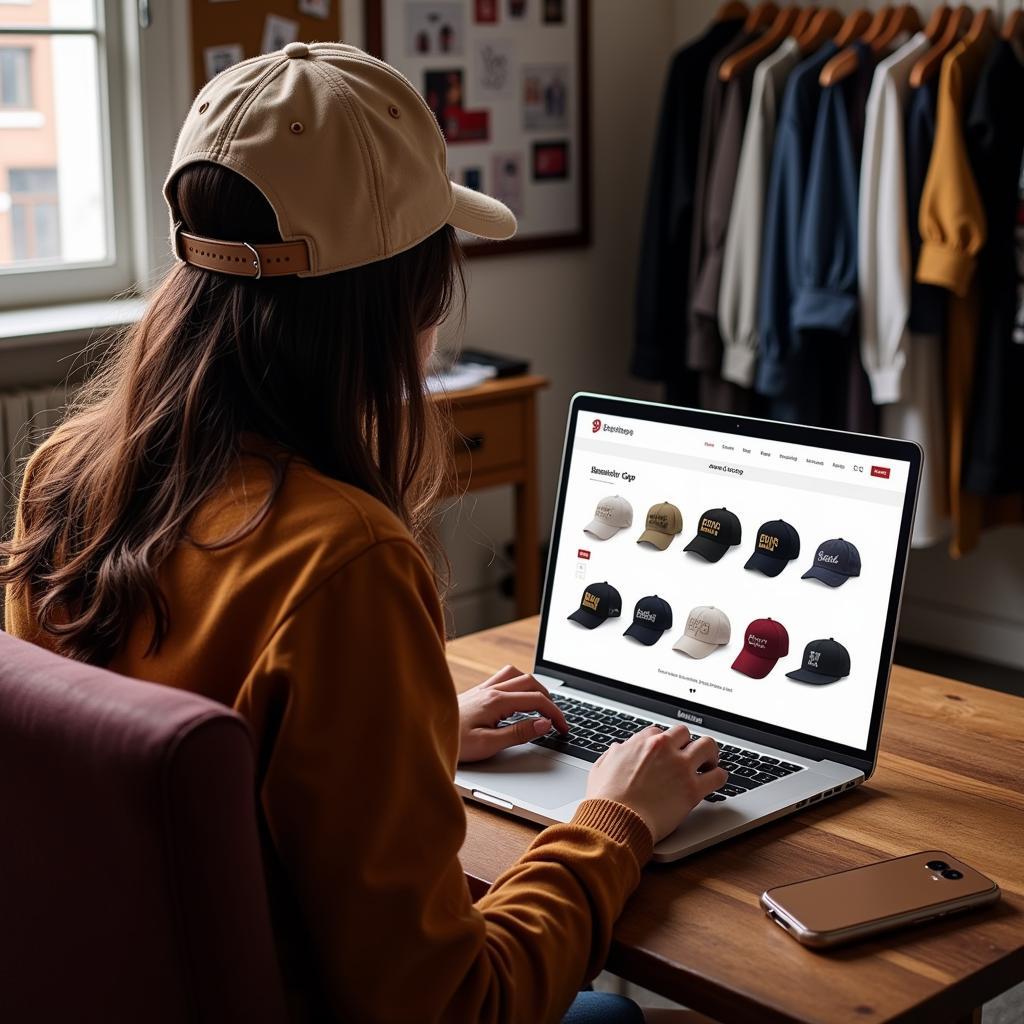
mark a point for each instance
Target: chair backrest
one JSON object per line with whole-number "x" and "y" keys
{"x": 131, "y": 883}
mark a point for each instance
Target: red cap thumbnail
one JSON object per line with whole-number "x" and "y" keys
{"x": 764, "y": 642}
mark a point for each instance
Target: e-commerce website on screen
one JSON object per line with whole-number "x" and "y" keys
{"x": 744, "y": 575}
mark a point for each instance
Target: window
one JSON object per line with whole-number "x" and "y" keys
{"x": 64, "y": 168}
{"x": 34, "y": 213}
{"x": 15, "y": 77}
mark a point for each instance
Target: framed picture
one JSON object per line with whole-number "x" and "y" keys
{"x": 508, "y": 81}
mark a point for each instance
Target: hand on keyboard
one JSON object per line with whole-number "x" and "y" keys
{"x": 660, "y": 773}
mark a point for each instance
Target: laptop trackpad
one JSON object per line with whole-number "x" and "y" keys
{"x": 528, "y": 775}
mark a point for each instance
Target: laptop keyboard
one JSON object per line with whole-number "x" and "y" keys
{"x": 593, "y": 729}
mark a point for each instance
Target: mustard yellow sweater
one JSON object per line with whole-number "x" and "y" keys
{"x": 323, "y": 628}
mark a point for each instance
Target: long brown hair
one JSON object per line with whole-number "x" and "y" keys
{"x": 328, "y": 368}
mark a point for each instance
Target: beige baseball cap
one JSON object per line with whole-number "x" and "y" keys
{"x": 707, "y": 629}
{"x": 664, "y": 521}
{"x": 611, "y": 515}
{"x": 344, "y": 149}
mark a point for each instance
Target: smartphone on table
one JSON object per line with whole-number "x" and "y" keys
{"x": 875, "y": 898}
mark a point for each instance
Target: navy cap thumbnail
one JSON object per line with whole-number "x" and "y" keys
{"x": 825, "y": 661}
{"x": 835, "y": 562}
{"x": 651, "y": 617}
{"x": 776, "y": 546}
{"x": 718, "y": 530}
{"x": 599, "y": 603}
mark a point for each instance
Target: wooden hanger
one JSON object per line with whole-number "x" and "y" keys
{"x": 824, "y": 25}
{"x": 1013, "y": 27}
{"x": 803, "y": 21}
{"x": 904, "y": 19}
{"x": 731, "y": 11}
{"x": 856, "y": 25}
{"x": 844, "y": 63}
{"x": 760, "y": 48}
{"x": 982, "y": 26}
{"x": 760, "y": 16}
{"x": 937, "y": 23}
{"x": 928, "y": 66}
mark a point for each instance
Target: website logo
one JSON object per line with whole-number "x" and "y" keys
{"x": 595, "y": 427}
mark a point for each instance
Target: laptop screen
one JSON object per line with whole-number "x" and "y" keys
{"x": 735, "y": 573}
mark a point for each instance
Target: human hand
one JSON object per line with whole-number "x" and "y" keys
{"x": 505, "y": 693}
{"x": 660, "y": 774}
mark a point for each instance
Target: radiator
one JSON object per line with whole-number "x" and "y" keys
{"x": 26, "y": 418}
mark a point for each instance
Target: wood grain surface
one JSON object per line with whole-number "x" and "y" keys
{"x": 949, "y": 778}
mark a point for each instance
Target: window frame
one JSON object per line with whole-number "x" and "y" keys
{"x": 71, "y": 282}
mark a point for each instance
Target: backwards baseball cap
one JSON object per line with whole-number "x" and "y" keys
{"x": 825, "y": 661}
{"x": 835, "y": 562}
{"x": 344, "y": 149}
{"x": 664, "y": 521}
{"x": 718, "y": 531}
{"x": 600, "y": 602}
{"x": 707, "y": 629}
{"x": 766, "y": 641}
{"x": 777, "y": 545}
{"x": 651, "y": 617}
{"x": 611, "y": 515}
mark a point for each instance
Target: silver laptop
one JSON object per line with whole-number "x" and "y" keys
{"x": 739, "y": 575}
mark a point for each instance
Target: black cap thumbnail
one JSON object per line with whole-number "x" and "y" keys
{"x": 776, "y": 546}
{"x": 717, "y": 531}
{"x": 835, "y": 562}
{"x": 651, "y": 617}
{"x": 825, "y": 661}
{"x": 599, "y": 603}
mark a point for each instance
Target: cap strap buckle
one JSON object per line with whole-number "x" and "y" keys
{"x": 255, "y": 261}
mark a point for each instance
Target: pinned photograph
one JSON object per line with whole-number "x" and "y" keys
{"x": 545, "y": 96}
{"x": 315, "y": 8}
{"x": 550, "y": 161}
{"x": 444, "y": 93}
{"x": 217, "y": 58}
{"x": 485, "y": 12}
{"x": 554, "y": 12}
{"x": 493, "y": 62}
{"x": 473, "y": 177}
{"x": 278, "y": 32}
{"x": 517, "y": 9}
{"x": 507, "y": 180}
{"x": 434, "y": 29}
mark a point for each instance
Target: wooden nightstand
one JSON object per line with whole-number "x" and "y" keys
{"x": 496, "y": 444}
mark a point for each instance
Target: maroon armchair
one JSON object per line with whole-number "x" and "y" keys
{"x": 131, "y": 885}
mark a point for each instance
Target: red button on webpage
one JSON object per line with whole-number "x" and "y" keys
{"x": 882, "y": 471}
{"x": 582, "y": 553}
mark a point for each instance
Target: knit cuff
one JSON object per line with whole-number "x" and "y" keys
{"x": 885, "y": 384}
{"x": 946, "y": 267}
{"x": 619, "y": 823}
{"x": 823, "y": 309}
{"x": 738, "y": 364}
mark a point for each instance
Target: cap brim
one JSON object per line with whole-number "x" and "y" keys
{"x": 693, "y": 647}
{"x": 706, "y": 548}
{"x": 803, "y": 675}
{"x": 766, "y": 564}
{"x": 647, "y": 635}
{"x": 600, "y": 529}
{"x": 481, "y": 215}
{"x": 753, "y": 666}
{"x": 657, "y": 538}
{"x": 585, "y": 617}
{"x": 829, "y": 576}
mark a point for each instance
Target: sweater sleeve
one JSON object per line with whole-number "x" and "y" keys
{"x": 366, "y": 825}
{"x": 952, "y": 218}
{"x": 883, "y": 271}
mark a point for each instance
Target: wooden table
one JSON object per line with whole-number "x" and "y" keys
{"x": 949, "y": 778}
{"x": 496, "y": 444}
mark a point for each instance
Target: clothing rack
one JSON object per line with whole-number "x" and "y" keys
{"x": 834, "y": 235}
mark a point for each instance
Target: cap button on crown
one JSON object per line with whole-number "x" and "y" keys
{"x": 296, "y": 50}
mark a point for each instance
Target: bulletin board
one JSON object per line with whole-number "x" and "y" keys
{"x": 227, "y": 31}
{"x": 508, "y": 81}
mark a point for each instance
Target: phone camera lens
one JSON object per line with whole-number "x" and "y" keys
{"x": 936, "y": 865}
{"x": 952, "y": 873}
